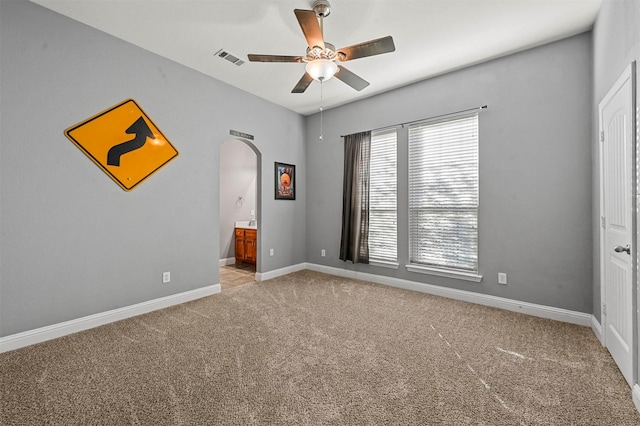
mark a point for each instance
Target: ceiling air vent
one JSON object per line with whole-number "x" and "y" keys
{"x": 229, "y": 57}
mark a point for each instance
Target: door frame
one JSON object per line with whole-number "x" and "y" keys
{"x": 628, "y": 74}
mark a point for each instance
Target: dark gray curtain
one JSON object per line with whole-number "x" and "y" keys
{"x": 354, "y": 245}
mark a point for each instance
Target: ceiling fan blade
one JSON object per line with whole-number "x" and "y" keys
{"x": 302, "y": 85}
{"x": 274, "y": 58}
{"x": 368, "y": 48}
{"x": 351, "y": 79}
{"x": 310, "y": 27}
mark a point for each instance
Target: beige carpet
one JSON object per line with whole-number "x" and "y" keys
{"x": 313, "y": 349}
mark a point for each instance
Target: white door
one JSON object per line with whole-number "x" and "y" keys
{"x": 617, "y": 206}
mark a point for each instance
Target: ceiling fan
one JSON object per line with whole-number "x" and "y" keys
{"x": 321, "y": 56}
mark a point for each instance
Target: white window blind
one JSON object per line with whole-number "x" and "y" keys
{"x": 443, "y": 193}
{"x": 383, "y": 183}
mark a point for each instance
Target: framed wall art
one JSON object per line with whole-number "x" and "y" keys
{"x": 285, "y": 181}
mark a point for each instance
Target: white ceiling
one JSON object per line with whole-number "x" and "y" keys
{"x": 431, "y": 37}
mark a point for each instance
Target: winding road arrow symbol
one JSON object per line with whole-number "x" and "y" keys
{"x": 142, "y": 132}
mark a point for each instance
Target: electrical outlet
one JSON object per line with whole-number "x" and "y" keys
{"x": 323, "y": 253}
{"x": 502, "y": 278}
{"x": 271, "y": 252}
{"x": 166, "y": 277}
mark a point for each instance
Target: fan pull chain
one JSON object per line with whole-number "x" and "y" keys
{"x": 321, "y": 109}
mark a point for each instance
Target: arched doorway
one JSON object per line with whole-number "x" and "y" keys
{"x": 240, "y": 206}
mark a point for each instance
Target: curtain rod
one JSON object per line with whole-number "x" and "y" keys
{"x": 429, "y": 118}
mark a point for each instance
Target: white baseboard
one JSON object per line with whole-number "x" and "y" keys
{"x": 597, "y": 329}
{"x": 227, "y": 261}
{"x": 19, "y": 340}
{"x": 635, "y": 395}
{"x": 542, "y": 311}
{"x": 58, "y": 330}
{"x": 280, "y": 272}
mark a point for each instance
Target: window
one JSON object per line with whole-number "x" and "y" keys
{"x": 443, "y": 194}
{"x": 383, "y": 215}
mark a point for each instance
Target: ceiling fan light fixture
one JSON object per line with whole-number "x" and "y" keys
{"x": 321, "y": 58}
{"x": 321, "y": 69}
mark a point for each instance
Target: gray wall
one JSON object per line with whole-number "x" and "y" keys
{"x": 238, "y": 178}
{"x": 535, "y": 171}
{"x": 72, "y": 243}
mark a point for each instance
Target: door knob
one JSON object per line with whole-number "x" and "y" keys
{"x": 620, "y": 249}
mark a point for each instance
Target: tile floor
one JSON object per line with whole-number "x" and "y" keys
{"x": 236, "y": 275}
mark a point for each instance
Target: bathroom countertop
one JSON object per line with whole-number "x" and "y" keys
{"x": 245, "y": 224}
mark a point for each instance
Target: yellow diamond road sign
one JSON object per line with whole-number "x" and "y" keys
{"x": 124, "y": 143}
